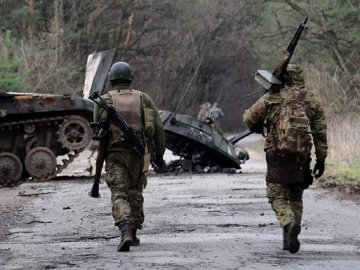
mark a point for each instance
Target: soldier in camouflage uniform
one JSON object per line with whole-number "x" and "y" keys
{"x": 216, "y": 114}
{"x": 204, "y": 112}
{"x": 288, "y": 174}
{"x": 125, "y": 170}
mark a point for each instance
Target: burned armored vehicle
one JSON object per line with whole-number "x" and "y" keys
{"x": 201, "y": 147}
{"x": 41, "y": 134}
{"x": 35, "y": 129}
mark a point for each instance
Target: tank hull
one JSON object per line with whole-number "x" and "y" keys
{"x": 198, "y": 142}
{"x": 35, "y": 129}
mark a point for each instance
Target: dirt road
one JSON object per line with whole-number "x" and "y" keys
{"x": 212, "y": 221}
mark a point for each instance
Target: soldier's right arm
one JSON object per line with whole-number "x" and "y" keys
{"x": 159, "y": 133}
{"x": 256, "y": 114}
{"x": 318, "y": 128}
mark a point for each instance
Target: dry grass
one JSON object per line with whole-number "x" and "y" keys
{"x": 344, "y": 152}
{"x": 341, "y": 106}
{"x": 336, "y": 95}
{"x": 343, "y": 137}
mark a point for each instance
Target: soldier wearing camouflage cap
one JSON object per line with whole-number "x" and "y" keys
{"x": 288, "y": 153}
{"x": 125, "y": 170}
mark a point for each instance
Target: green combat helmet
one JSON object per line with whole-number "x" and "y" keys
{"x": 121, "y": 71}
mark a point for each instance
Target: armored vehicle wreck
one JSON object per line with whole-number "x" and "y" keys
{"x": 201, "y": 148}
{"x": 35, "y": 129}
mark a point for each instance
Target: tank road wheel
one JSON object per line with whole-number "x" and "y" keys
{"x": 11, "y": 169}
{"x": 75, "y": 133}
{"x": 40, "y": 163}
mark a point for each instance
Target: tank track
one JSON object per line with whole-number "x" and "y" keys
{"x": 48, "y": 121}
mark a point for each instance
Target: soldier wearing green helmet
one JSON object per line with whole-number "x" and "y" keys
{"x": 121, "y": 71}
{"x": 291, "y": 113}
{"x": 125, "y": 171}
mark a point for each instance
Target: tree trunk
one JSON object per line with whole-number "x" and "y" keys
{"x": 57, "y": 29}
{"x": 128, "y": 36}
{"x": 30, "y": 26}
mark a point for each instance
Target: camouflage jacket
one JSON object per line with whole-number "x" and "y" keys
{"x": 156, "y": 143}
{"x": 266, "y": 106}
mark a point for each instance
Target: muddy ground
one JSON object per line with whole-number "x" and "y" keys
{"x": 209, "y": 221}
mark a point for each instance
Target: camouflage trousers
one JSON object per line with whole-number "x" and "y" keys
{"x": 286, "y": 202}
{"x": 125, "y": 179}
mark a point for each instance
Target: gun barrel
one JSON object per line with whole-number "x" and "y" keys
{"x": 240, "y": 136}
{"x": 291, "y": 48}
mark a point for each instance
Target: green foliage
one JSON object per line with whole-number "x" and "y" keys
{"x": 8, "y": 41}
{"x": 11, "y": 79}
{"x": 345, "y": 175}
{"x": 21, "y": 17}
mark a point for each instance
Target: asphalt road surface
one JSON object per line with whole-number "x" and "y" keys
{"x": 209, "y": 221}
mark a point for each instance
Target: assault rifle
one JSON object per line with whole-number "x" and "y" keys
{"x": 104, "y": 136}
{"x": 276, "y": 79}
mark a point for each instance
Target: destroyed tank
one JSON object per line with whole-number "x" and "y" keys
{"x": 201, "y": 147}
{"x": 35, "y": 129}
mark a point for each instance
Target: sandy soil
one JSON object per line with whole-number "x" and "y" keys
{"x": 210, "y": 221}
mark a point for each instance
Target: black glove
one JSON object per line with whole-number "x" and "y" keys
{"x": 319, "y": 168}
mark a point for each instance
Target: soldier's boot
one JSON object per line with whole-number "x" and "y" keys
{"x": 292, "y": 231}
{"x": 136, "y": 240}
{"x": 285, "y": 242}
{"x": 126, "y": 238}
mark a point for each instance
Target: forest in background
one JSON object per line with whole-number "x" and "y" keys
{"x": 44, "y": 46}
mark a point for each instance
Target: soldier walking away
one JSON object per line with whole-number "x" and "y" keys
{"x": 288, "y": 114}
{"x": 125, "y": 170}
{"x": 204, "y": 112}
{"x": 215, "y": 115}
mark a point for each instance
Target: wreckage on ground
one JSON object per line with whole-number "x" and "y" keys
{"x": 35, "y": 129}
{"x": 41, "y": 134}
{"x": 201, "y": 148}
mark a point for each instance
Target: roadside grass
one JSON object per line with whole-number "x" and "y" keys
{"x": 343, "y": 132}
{"x": 343, "y": 164}
{"x": 344, "y": 174}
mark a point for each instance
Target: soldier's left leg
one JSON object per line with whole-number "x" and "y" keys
{"x": 292, "y": 230}
{"x": 278, "y": 195}
{"x": 137, "y": 211}
{"x": 136, "y": 199}
{"x": 296, "y": 202}
{"x": 136, "y": 186}
{"x": 278, "y": 198}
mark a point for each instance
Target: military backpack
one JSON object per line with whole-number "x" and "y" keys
{"x": 293, "y": 126}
